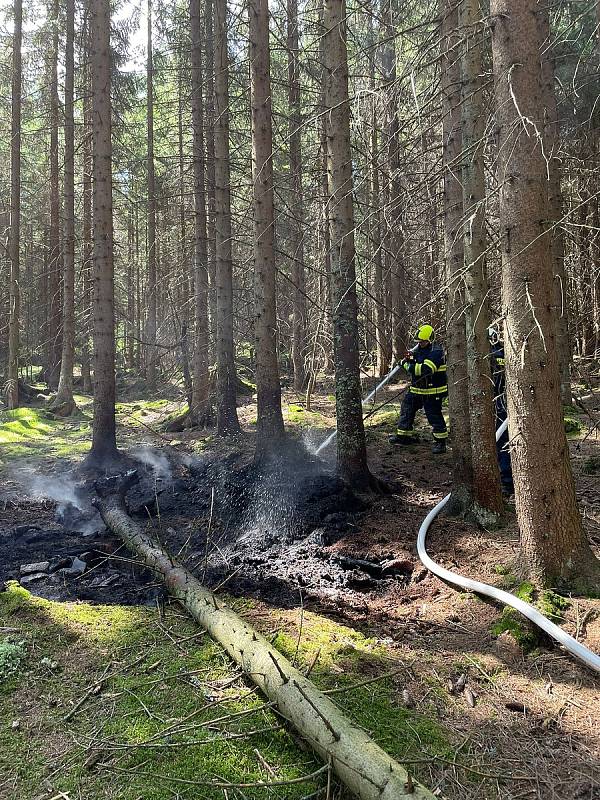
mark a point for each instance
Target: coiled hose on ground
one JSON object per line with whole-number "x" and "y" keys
{"x": 574, "y": 647}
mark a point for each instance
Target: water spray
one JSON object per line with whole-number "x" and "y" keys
{"x": 365, "y": 402}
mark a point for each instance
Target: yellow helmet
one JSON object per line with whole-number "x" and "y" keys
{"x": 425, "y": 333}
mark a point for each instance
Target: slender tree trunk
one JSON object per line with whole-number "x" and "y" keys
{"x": 270, "y": 428}
{"x": 351, "y": 448}
{"x": 227, "y": 421}
{"x": 87, "y": 246}
{"x": 487, "y": 495}
{"x": 325, "y": 256}
{"x": 209, "y": 126}
{"x": 552, "y": 147}
{"x": 12, "y": 396}
{"x": 381, "y": 339}
{"x": 151, "y": 322}
{"x": 54, "y": 277}
{"x": 187, "y": 279}
{"x": 64, "y": 402}
{"x": 395, "y": 239}
{"x": 130, "y": 326}
{"x": 456, "y": 342}
{"x": 555, "y": 551}
{"x": 199, "y": 411}
{"x": 104, "y": 451}
{"x": 300, "y": 320}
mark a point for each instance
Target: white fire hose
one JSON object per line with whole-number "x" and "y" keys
{"x": 367, "y": 399}
{"x": 574, "y": 647}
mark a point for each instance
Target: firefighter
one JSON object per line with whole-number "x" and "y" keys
{"x": 499, "y": 378}
{"x": 426, "y": 366}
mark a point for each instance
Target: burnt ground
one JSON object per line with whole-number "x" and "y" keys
{"x": 290, "y": 534}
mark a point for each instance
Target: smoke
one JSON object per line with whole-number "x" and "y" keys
{"x": 74, "y": 510}
{"x": 63, "y": 490}
{"x": 154, "y": 461}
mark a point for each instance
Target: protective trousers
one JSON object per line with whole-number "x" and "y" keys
{"x": 502, "y": 448}
{"x": 432, "y": 405}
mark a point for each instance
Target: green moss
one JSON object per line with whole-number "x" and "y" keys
{"x": 157, "y": 682}
{"x": 552, "y": 605}
{"x": 512, "y": 622}
{"x": 591, "y": 465}
{"x": 297, "y": 415}
{"x": 526, "y": 592}
{"x": 31, "y": 432}
{"x": 549, "y": 603}
{"x": 501, "y": 569}
{"x": 572, "y": 426}
{"x": 385, "y": 418}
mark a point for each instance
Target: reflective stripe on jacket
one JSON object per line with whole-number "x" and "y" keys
{"x": 427, "y": 370}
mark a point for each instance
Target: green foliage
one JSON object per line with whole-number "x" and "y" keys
{"x": 512, "y": 622}
{"x": 158, "y": 680}
{"x": 591, "y": 465}
{"x": 12, "y": 656}
{"x": 550, "y": 604}
{"x": 572, "y": 426}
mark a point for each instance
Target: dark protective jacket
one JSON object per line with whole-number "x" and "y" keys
{"x": 497, "y": 363}
{"x": 427, "y": 369}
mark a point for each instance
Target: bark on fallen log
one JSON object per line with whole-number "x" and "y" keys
{"x": 358, "y": 761}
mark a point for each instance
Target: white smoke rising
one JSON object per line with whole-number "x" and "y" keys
{"x": 156, "y": 461}
{"x": 61, "y": 489}
{"x": 73, "y": 506}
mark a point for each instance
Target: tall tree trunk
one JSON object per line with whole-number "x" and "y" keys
{"x": 227, "y": 421}
{"x": 270, "y": 428}
{"x": 395, "y": 239}
{"x": 351, "y": 448}
{"x": 199, "y": 410}
{"x": 487, "y": 495}
{"x": 64, "y": 402}
{"x": 552, "y": 147}
{"x": 554, "y": 548}
{"x": 54, "y": 276}
{"x": 104, "y": 451}
{"x": 151, "y": 322}
{"x": 325, "y": 255}
{"x": 383, "y": 353}
{"x": 209, "y": 126}
{"x": 456, "y": 343}
{"x": 12, "y": 395}
{"x": 86, "y": 235}
{"x": 300, "y": 320}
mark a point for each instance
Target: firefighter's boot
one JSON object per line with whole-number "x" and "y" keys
{"x": 397, "y": 438}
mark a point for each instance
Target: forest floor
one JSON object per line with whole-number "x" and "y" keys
{"x": 472, "y": 711}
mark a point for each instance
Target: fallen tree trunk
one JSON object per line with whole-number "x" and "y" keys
{"x": 358, "y": 761}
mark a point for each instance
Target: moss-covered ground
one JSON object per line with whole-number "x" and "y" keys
{"x": 34, "y": 433}
{"x": 174, "y": 717}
